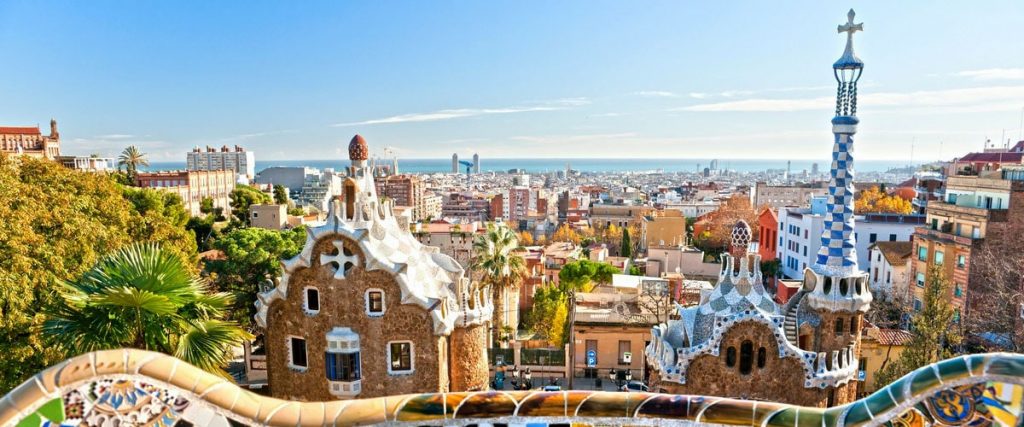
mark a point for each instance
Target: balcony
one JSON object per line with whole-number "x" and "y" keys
{"x": 973, "y": 183}
{"x": 949, "y": 210}
{"x": 943, "y": 235}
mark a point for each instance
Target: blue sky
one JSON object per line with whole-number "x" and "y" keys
{"x": 295, "y": 80}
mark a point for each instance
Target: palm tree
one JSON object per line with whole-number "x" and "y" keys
{"x": 500, "y": 266}
{"x": 145, "y": 297}
{"x": 131, "y": 158}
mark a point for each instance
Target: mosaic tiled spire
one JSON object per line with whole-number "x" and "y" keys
{"x": 838, "y": 253}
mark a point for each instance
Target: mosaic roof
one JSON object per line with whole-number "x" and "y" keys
{"x": 426, "y": 277}
{"x": 135, "y": 387}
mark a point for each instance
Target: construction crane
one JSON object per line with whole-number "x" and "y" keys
{"x": 389, "y": 153}
{"x": 469, "y": 170}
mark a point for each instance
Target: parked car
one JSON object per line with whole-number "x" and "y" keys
{"x": 634, "y": 386}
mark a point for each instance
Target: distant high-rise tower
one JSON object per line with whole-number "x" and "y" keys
{"x": 789, "y": 170}
{"x": 814, "y": 168}
{"x": 455, "y": 163}
{"x": 476, "y": 163}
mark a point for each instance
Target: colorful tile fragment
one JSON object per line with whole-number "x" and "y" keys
{"x": 138, "y": 388}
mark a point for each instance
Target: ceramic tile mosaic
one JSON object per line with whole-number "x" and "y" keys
{"x": 139, "y": 388}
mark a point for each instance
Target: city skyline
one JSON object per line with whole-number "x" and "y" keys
{"x": 548, "y": 80}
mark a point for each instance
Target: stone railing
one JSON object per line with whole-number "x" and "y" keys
{"x": 134, "y": 387}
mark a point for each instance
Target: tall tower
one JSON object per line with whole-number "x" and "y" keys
{"x": 455, "y": 162}
{"x": 836, "y": 290}
{"x": 476, "y": 163}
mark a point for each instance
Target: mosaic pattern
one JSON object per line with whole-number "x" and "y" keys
{"x": 426, "y": 277}
{"x": 139, "y": 388}
{"x": 838, "y": 253}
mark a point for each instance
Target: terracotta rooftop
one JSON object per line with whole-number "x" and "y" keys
{"x": 993, "y": 157}
{"x": 895, "y": 253}
{"x": 893, "y": 336}
{"x": 20, "y": 130}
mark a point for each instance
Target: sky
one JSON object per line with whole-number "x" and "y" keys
{"x": 513, "y": 79}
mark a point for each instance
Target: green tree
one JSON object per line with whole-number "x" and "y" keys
{"x": 498, "y": 260}
{"x": 131, "y": 158}
{"x": 144, "y": 297}
{"x": 584, "y": 274}
{"x": 252, "y": 256}
{"x": 634, "y": 270}
{"x": 206, "y": 205}
{"x": 626, "y": 249}
{"x": 549, "y": 315}
{"x": 56, "y": 223}
{"x": 160, "y": 216}
{"x": 934, "y": 333}
{"x": 244, "y": 196}
{"x": 202, "y": 227}
{"x": 280, "y": 195}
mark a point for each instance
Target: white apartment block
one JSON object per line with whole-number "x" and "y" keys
{"x": 800, "y": 235}
{"x": 237, "y": 159}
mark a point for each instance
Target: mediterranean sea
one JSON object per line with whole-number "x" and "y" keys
{"x": 584, "y": 165}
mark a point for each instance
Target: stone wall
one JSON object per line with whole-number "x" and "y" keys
{"x": 469, "y": 370}
{"x": 780, "y": 380}
{"x": 343, "y": 305}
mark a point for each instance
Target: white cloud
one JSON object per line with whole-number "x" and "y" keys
{"x": 558, "y": 104}
{"x": 656, "y": 94}
{"x": 115, "y": 136}
{"x": 994, "y": 98}
{"x": 994, "y": 74}
{"x": 698, "y": 95}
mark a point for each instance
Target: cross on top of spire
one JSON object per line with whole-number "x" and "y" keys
{"x": 849, "y": 27}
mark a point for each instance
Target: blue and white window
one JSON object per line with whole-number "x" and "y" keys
{"x": 343, "y": 363}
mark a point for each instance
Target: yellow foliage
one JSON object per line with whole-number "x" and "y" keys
{"x": 565, "y": 233}
{"x": 874, "y": 200}
{"x": 525, "y": 238}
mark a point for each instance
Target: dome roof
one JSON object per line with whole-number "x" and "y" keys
{"x": 741, "y": 234}
{"x": 357, "y": 149}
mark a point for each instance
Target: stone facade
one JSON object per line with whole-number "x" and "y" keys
{"x": 712, "y": 376}
{"x": 343, "y": 303}
{"x": 30, "y": 141}
{"x": 193, "y": 187}
{"x": 365, "y": 310}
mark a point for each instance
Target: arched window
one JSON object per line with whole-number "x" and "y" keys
{"x": 844, "y": 286}
{"x": 827, "y": 288}
{"x": 746, "y": 357}
{"x": 730, "y": 357}
{"x": 762, "y": 357}
{"x": 839, "y": 326}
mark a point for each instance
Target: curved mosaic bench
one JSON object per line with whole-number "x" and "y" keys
{"x": 134, "y": 387}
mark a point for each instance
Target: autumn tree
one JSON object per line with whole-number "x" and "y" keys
{"x": 722, "y": 221}
{"x": 934, "y": 333}
{"x": 565, "y": 233}
{"x": 875, "y": 200}
{"x": 549, "y": 314}
{"x": 525, "y": 238}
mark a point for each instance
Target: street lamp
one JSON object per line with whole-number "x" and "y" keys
{"x": 629, "y": 375}
{"x": 527, "y": 379}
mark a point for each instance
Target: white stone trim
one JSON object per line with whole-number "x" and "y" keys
{"x": 383, "y": 302}
{"x": 288, "y": 346}
{"x": 412, "y": 358}
{"x": 305, "y": 300}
